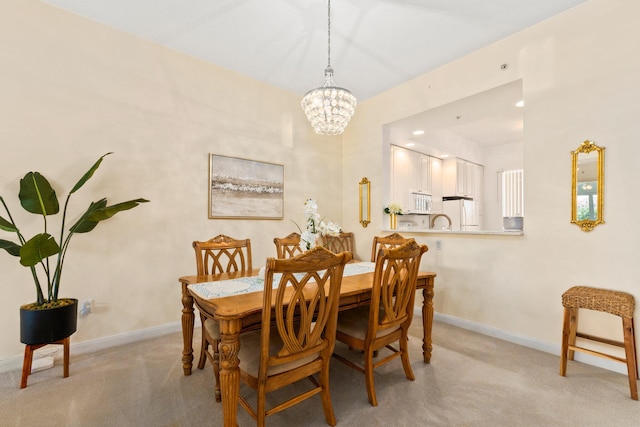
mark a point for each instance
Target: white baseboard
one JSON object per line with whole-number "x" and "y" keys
{"x": 529, "y": 342}
{"x": 92, "y": 346}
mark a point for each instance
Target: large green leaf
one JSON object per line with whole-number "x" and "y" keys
{"x": 37, "y": 196}
{"x": 7, "y": 226}
{"x": 39, "y": 247}
{"x": 83, "y": 225}
{"x": 12, "y": 248}
{"x": 99, "y": 211}
{"x": 88, "y": 174}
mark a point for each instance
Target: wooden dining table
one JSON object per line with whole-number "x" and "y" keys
{"x": 242, "y": 312}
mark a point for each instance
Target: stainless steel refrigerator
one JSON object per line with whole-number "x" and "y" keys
{"x": 463, "y": 212}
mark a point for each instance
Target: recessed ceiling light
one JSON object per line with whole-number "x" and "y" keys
{"x": 418, "y": 132}
{"x": 520, "y": 104}
{"x": 410, "y": 144}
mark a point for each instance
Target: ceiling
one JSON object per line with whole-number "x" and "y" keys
{"x": 375, "y": 44}
{"x": 488, "y": 118}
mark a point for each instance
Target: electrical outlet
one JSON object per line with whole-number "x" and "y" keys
{"x": 438, "y": 245}
{"x": 86, "y": 307}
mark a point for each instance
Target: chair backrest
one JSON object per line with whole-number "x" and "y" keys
{"x": 386, "y": 242}
{"x": 288, "y": 247}
{"x": 305, "y": 305}
{"x": 341, "y": 243}
{"x": 394, "y": 287}
{"x": 222, "y": 254}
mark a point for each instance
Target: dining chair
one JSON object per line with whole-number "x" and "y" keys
{"x": 386, "y": 242}
{"x": 298, "y": 330}
{"x": 387, "y": 319}
{"x": 221, "y": 254}
{"x": 343, "y": 242}
{"x": 288, "y": 247}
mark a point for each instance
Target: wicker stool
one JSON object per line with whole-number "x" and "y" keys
{"x": 613, "y": 302}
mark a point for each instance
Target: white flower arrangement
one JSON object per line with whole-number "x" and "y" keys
{"x": 315, "y": 226}
{"x": 393, "y": 208}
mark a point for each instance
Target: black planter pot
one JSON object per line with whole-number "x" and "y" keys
{"x": 50, "y": 325}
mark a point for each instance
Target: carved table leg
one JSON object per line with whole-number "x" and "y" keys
{"x": 427, "y": 321}
{"x": 229, "y": 371}
{"x": 187, "y": 330}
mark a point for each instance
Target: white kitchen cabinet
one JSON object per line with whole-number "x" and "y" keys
{"x": 478, "y": 192}
{"x": 460, "y": 178}
{"x": 435, "y": 172}
{"x": 450, "y": 177}
{"x": 405, "y": 174}
{"x": 413, "y": 172}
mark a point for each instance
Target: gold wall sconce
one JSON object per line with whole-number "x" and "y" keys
{"x": 365, "y": 202}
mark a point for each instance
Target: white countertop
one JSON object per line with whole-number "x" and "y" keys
{"x": 434, "y": 231}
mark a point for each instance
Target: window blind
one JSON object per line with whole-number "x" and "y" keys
{"x": 513, "y": 192}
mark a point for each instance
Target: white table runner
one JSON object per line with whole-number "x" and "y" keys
{"x": 244, "y": 285}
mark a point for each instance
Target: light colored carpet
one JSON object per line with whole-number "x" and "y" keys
{"x": 473, "y": 380}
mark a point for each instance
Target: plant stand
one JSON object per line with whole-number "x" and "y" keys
{"x": 28, "y": 359}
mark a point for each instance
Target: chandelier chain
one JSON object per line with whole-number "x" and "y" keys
{"x": 329, "y": 34}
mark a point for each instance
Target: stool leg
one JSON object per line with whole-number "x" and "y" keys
{"x": 573, "y": 330}
{"x": 26, "y": 364}
{"x": 565, "y": 342}
{"x": 635, "y": 352}
{"x": 65, "y": 344}
{"x": 630, "y": 352}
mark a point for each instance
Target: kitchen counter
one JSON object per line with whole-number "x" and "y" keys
{"x": 434, "y": 231}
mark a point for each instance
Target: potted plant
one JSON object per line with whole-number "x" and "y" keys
{"x": 51, "y": 318}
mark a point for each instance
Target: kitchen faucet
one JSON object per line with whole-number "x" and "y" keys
{"x": 434, "y": 217}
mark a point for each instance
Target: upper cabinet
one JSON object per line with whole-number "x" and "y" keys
{"x": 435, "y": 173}
{"x": 425, "y": 174}
{"x": 461, "y": 178}
{"x": 413, "y": 175}
{"x": 404, "y": 175}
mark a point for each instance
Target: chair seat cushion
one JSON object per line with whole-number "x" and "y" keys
{"x": 605, "y": 300}
{"x": 355, "y": 323}
{"x": 213, "y": 328}
{"x": 249, "y": 354}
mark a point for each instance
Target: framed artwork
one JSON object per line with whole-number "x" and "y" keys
{"x": 241, "y": 188}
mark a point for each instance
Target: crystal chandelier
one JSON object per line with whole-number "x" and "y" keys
{"x": 329, "y": 108}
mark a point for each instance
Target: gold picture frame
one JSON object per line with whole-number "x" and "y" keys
{"x": 245, "y": 189}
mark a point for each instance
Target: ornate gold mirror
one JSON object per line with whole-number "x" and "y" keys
{"x": 587, "y": 186}
{"x": 365, "y": 202}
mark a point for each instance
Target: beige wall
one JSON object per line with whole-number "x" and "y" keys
{"x": 580, "y": 81}
{"x": 73, "y": 90}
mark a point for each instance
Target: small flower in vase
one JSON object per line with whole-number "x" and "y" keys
{"x": 393, "y": 209}
{"x": 315, "y": 226}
